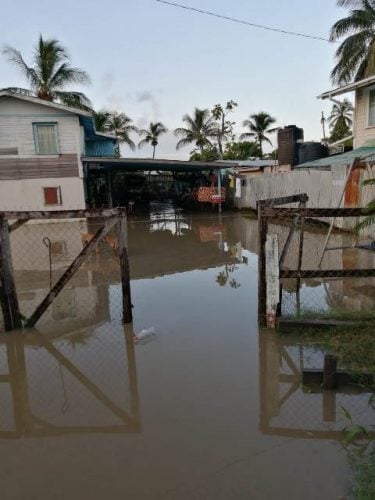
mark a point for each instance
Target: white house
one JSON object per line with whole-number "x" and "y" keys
{"x": 41, "y": 147}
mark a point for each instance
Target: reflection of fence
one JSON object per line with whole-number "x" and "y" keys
{"x": 56, "y": 387}
{"x": 288, "y": 408}
{"x": 39, "y": 259}
{"x": 339, "y": 265}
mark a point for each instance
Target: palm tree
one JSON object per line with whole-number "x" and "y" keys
{"x": 51, "y": 73}
{"x": 121, "y": 126}
{"x": 356, "y": 54}
{"x": 101, "y": 119}
{"x": 151, "y": 135}
{"x": 259, "y": 126}
{"x": 199, "y": 129}
{"x": 342, "y": 114}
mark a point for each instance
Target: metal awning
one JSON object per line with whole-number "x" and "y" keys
{"x": 136, "y": 164}
{"x": 366, "y": 82}
{"x": 367, "y": 154}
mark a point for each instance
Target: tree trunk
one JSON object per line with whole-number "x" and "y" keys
{"x": 153, "y": 154}
{"x": 261, "y": 148}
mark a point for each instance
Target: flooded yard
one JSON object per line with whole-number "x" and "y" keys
{"x": 205, "y": 407}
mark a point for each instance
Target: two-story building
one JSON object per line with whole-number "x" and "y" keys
{"x": 42, "y": 144}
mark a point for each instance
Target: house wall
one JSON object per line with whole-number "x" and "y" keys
{"x": 23, "y": 173}
{"x": 362, "y": 132}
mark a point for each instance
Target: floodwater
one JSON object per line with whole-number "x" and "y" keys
{"x": 205, "y": 407}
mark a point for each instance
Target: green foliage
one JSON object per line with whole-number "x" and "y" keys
{"x": 198, "y": 130}
{"x": 51, "y": 72}
{"x": 118, "y": 124}
{"x": 259, "y": 126}
{"x": 341, "y": 120}
{"x": 364, "y": 479}
{"x": 207, "y": 154}
{"x": 224, "y": 126}
{"x": 356, "y": 54}
{"x": 241, "y": 150}
{"x": 151, "y": 135}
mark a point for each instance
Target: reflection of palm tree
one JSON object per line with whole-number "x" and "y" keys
{"x": 223, "y": 277}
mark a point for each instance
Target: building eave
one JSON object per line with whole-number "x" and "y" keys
{"x": 366, "y": 82}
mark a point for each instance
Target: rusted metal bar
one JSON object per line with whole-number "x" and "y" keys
{"x": 316, "y": 212}
{"x": 63, "y": 214}
{"x": 8, "y": 293}
{"x": 69, "y": 273}
{"x": 284, "y": 200}
{"x": 17, "y": 224}
{"x": 125, "y": 272}
{"x": 327, "y": 273}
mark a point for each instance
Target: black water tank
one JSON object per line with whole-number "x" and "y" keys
{"x": 310, "y": 151}
{"x": 289, "y": 140}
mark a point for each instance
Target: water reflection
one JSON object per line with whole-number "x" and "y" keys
{"x": 86, "y": 383}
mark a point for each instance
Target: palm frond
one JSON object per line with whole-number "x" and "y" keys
{"x": 74, "y": 100}
{"x": 14, "y": 56}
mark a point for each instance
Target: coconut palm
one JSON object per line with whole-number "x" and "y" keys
{"x": 101, "y": 119}
{"x": 51, "y": 73}
{"x": 121, "y": 126}
{"x": 356, "y": 54}
{"x": 151, "y": 135}
{"x": 259, "y": 126}
{"x": 200, "y": 128}
{"x": 341, "y": 114}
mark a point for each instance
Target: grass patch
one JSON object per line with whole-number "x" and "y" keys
{"x": 335, "y": 314}
{"x": 364, "y": 479}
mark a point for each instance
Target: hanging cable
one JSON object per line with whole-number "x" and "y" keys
{"x": 241, "y": 21}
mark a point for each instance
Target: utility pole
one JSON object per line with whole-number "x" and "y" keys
{"x": 323, "y": 122}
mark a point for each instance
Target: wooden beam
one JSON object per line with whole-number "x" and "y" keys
{"x": 327, "y": 273}
{"x": 262, "y": 291}
{"x": 316, "y": 212}
{"x": 69, "y": 273}
{"x": 272, "y": 278}
{"x": 283, "y": 200}
{"x": 125, "y": 271}
{"x": 8, "y": 294}
{"x": 17, "y": 224}
{"x": 63, "y": 214}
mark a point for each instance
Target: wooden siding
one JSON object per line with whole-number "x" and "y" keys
{"x": 8, "y": 151}
{"x": 38, "y": 168}
{"x": 362, "y": 132}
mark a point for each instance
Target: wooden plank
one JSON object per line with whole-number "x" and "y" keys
{"x": 17, "y": 224}
{"x": 316, "y": 212}
{"x": 314, "y": 323}
{"x": 8, "y": 151}
{"x": 327, "y": 273}
{"x": 125, "y": 271}
{"x": 329, "y": 372}
{"x": 63, "y": 214}
{"x": 284, "y": 200}
{"x": 272, "y": 278}
{"x": 8, "y": 294}
{"x": 69, "y": 273}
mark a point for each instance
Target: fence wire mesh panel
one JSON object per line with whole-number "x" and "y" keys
{"x": 327, "y": 261}
{"x": 291, "y": 408}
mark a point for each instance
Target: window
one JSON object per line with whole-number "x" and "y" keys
{"x": 45, "y": 137}
{"x": 371, "y": 111}
{"x": 52, "y": 195}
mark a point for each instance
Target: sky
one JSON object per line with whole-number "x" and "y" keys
{"x": 156, "y": 62}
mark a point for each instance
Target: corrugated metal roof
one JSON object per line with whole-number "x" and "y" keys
{"x": 364, "y": 153}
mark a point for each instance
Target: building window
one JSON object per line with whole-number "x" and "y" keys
{"x": 52, "y": 195}
{"x": 45, "y": 137}
{"x": 371, "y": 112}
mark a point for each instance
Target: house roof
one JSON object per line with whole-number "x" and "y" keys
{"x": 366, "y": 153}
{"x": 250, "y": 163}
{"x": 25, "y": 96}
{"x": 366, "y": 82}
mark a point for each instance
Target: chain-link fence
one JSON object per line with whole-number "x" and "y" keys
{"x": 326, "y": 261}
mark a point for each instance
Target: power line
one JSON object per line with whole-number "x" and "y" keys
{"x": 241, "y": 21}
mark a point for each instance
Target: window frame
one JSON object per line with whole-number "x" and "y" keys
{"x": 59, "y": 197}
{"x": 36, "y": 141}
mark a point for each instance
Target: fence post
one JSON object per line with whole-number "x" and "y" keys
{"x": 262, "y": 292}
{"x": 125, "y": 271}
{"x": 8, "y": 294}
{"x": 272, "y": 279}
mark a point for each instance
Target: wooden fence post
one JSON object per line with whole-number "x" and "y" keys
{"x": 8, "y": 293}
{"x": 262, "y": 293}
{"x": 329, "y": 372}
{"x": 125, "y": 271}
{"x": 272, "y": 279}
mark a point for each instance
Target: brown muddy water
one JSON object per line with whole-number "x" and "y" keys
{"x": 206, "y": 408}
